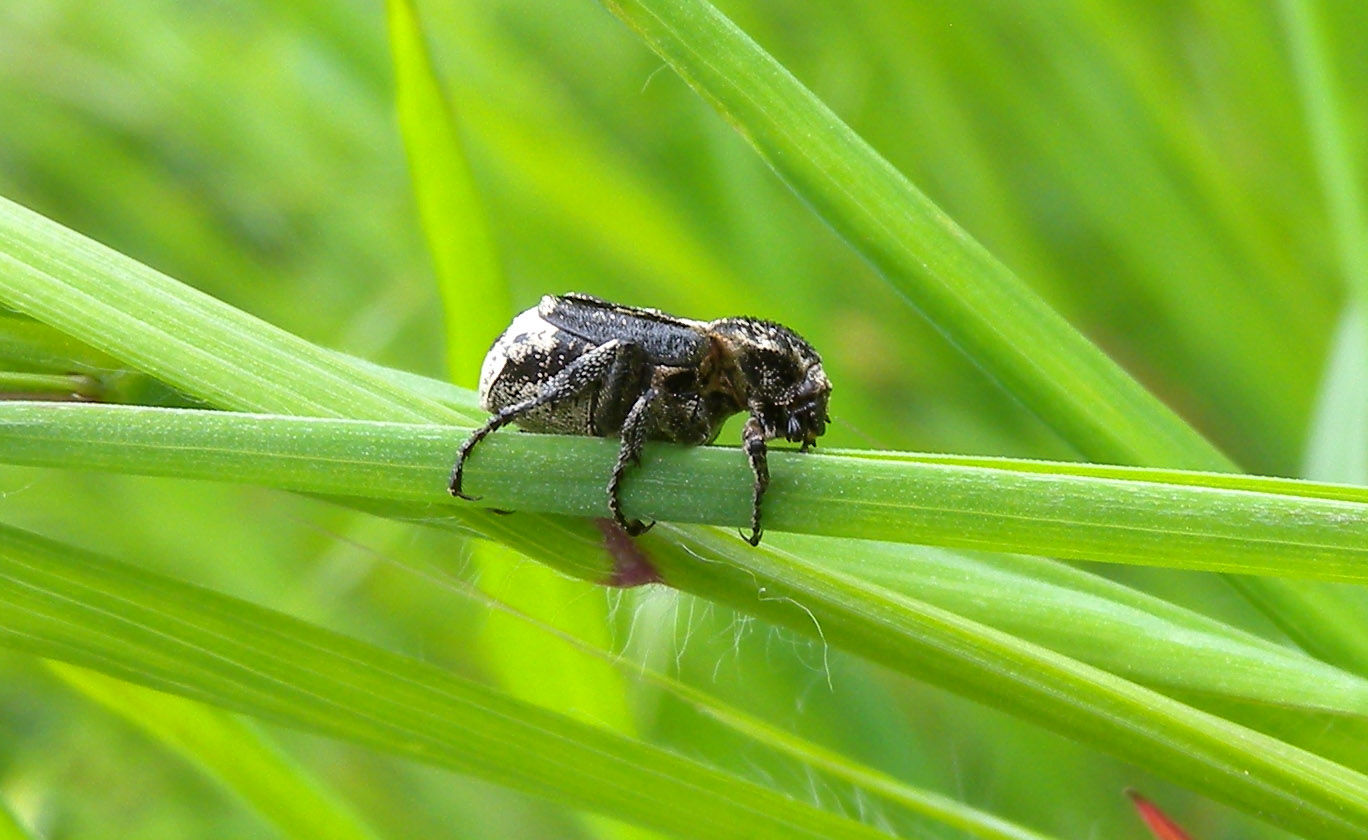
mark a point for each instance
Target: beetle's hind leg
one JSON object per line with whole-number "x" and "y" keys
{"x": 633, "y": 440}
{"x": 506, "y": 415}
{"x": 577, "y": 377}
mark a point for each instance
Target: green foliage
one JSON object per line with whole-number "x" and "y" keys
{"x": 1178, "y": 183}
{"x": 149, "y": 629}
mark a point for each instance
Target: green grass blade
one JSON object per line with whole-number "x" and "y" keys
{"x": 1333, "y": 623}
{"x": 1100, "y": 622}
{"x": 476, "y": 300}
{"x": 26, "y": 344}
{"x": 407, "y": 463}
{"x": 180, "y": 335}
{"x": 926, "y": 803}
{"x": 1285, "y": 785}
{"x": 942, "y": 809}
{"x": 1321, "y": 534}
{"x": 1337, "y": 445}
{"x": 1335, "y": 164}
{"x": 970, "y": 296}
{"x": 82, "y": 608}
{"x": 235, "y": 754}
{"x": 48, "y": 385}
{"x": 1085, "y": 708}
{"x": 453, "y": 220}
{"x": 230, "y": 359}
{"x": 10, "y": 829}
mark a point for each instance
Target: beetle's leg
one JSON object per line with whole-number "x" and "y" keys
{"x": 454, "y": 486}
{"x": 573, "y": 380}
{"x": 753, "y": 441}
{"x": 633, "y": 439}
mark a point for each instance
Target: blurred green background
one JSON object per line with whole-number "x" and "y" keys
{"x": 1145, "y": 166}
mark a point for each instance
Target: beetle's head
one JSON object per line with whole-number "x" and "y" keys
{"x": 805, "y": 407}
{"x": 785, "y": 386}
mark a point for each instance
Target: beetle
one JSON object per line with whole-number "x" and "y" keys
{"x": 577, "y": 364}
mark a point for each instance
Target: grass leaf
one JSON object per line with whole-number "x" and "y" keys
{"x": 1274, "y": 780}
{"x": 969, "y": 295}
{"x": 231, "y": 751}
{"x": 453, "y": 220}
{"x": 58, "y": 602}
{"x": 1269, "y": 526}
{"x": 10, "y": 829}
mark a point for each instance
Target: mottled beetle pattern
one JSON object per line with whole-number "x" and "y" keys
{"x": 578, "y": 365}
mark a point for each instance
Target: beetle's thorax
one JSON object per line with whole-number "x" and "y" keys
{"x": 719, "y": 375}
{"x": 777, "y": 375}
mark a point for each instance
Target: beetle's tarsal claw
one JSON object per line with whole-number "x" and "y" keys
{"x": 454, "y": 486}
{"x": 636, "y": 527}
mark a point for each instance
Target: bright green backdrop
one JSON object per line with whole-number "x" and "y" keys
{"x": 1181, "y": 181}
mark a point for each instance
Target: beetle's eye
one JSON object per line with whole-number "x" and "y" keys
{"x": 684, "y": 380}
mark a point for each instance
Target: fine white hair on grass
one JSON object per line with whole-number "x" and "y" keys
{"x": 761, "y": 593}
{"x": 656, "y": 72}
{"x": 614, "y": 603}
{"x": 690, "y": 626}
{"x": 656, "y": 601}
{"x": 23, "y": 488}
{"x": 740, "y": 626}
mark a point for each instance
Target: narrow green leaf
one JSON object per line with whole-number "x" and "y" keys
{"x": 236, "y": 754}
{"x": 233, "y": 360}
{"x": 453, "y": 219}
{"x": 89, "y": 610}
{"x": 1337, "y": 442}
{"x": 476, "y": 298}
{"x": 1332, "y": 623}
{"x": 47, "y": 385}
{"x": 1289, "y": 788}
{"x": 10, "y": 829}
{"x": 971, "y": 297}
{"x": 926, "y": 803}
{"x": 942, "y": 809}
{"x": 1103, "y": 623}
{"x": 29, "y": 345}
{"x": 180, "y": 335}
{"x": 1321, "y": 534}
{"x": 1335, "y": 164}
{"x": 1285, "y": 785}
{"x": 1106, "y": 624}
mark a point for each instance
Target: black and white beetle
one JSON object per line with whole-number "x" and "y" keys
{"x": 579, "y": 365}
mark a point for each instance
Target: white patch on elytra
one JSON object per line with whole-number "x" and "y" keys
{"x": 528, "y": 333}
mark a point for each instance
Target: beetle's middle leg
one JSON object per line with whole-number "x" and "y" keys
{"x": 633, "y": 439}
{"x": 583, "y": 373}
{"x": 753, "y": 441}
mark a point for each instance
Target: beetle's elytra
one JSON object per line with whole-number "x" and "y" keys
{"x": 578, "y": 365}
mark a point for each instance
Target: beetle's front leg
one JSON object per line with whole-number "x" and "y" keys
{"x": 586, "y": 371}
{"x": 753, "y": 441}
{"x": 633, "y": 439}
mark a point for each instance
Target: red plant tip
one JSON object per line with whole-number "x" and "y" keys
{"x": 1158, "y": 822}
{"x": 631, "y": 565}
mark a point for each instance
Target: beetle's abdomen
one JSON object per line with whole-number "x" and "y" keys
{"x": 521, "y": 360}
